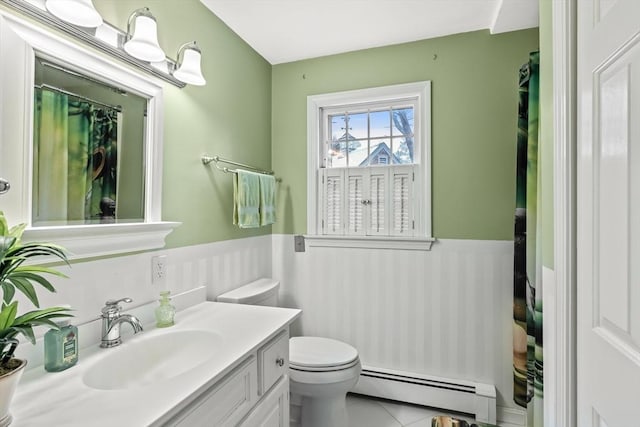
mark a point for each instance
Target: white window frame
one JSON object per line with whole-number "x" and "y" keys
{"x": 316, "y": 104}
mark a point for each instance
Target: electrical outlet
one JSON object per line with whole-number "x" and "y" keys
{"x": 159, "y": 270}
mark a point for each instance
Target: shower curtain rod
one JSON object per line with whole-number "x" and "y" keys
{"x": 118, "y": 108}
{"x": 117, "y": 90}
{"x": 217, "y": 159}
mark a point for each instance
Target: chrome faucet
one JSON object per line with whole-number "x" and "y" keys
{"x": 111, "y": 320}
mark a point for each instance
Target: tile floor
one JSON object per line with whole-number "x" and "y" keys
{"x": 370, "y": 412}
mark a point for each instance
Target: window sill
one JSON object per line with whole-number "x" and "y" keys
{"x": 370, "y": 242}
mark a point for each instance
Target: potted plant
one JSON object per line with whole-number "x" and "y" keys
{"x": 14, "y": 275}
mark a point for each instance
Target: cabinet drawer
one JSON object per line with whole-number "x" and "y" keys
{"x": 273, "y": 409}
{"x": 273, "y": 361}
{"x": 225, "y": 403}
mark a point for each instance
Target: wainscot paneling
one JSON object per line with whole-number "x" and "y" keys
{"x": 444, "y": 312}
{"x": 219, "y": 266}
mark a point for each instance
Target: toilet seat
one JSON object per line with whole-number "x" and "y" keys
{"x": 318, "y": 354}
{"x": 323, "y": 368}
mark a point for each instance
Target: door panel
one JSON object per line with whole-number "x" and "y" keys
{"x": 608, "y": 228}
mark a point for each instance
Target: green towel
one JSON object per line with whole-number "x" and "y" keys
{"x": 267, "y": 199}
{"x": 246, "y": 199}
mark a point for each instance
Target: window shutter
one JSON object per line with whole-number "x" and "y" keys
{"x": 378, "y": 196}
{"x": 402, "y": 205}
{"x": 355, "y": 205}
{"x": 333, "y": 191}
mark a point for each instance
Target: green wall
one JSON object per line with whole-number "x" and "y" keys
{"x": 230, "y": 116}
{"x": 546, "y": 131}
{"x": 474, "y": 113}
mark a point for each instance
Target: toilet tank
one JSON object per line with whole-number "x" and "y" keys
{"x": 260, "y": 292}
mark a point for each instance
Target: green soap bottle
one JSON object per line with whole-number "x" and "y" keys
{"x": 165, "y": 312}
{"x": 61, "y": 347}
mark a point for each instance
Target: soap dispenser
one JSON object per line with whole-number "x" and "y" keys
{"x": 165, "y": 312}
{"x": 61, "y": 347}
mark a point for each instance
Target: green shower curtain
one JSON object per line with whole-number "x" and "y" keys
{"x": 75, "y": 159}
{"x": 527, "y": 302}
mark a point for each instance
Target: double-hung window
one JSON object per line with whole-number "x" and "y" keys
{"x": 369, "y": 179}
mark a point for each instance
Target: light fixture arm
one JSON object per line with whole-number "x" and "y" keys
{"x": 189, "y": 45}
{"x": 187, "y": 67}
{"x": 143, "y": 11}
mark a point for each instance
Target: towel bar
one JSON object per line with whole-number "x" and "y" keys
{"x": 217, "y": 159}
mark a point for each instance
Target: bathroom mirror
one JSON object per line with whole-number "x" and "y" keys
{"x": 88, "y": 149}
{"x": 110, "y": 201}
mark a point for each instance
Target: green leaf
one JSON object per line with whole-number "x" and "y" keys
{"x": 8, "y": 333}
{"x": 6, "y": 242}
{"x": 41, "y": 322}
{"x": 4, "y": 228}
{"x": 26, "y": 288}
{"x": 25, "y": 330}
{"x": 38, "y": 270}
{"x": 7, "y": 291}
{"x": 8, "y": 315}
{"x": 42, "y": 281}
{"x": 41, "y": 314}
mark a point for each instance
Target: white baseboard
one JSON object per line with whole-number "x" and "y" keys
{"x": 513, "y": 416}
{"x": 451, "y": 394}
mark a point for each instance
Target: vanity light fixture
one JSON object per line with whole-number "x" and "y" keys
{"x": 138, "y": 46}
{"x": 143, "y": 44}
{"x": 188, "y": 69}
{"x": 77, "y": 12}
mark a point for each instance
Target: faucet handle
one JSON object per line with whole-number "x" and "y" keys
{"x": 112, "y": 307}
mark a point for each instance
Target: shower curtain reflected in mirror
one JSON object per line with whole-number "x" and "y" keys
{"x": 75, "y": 160}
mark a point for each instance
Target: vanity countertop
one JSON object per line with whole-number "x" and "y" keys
{"x": 63, "y": 399}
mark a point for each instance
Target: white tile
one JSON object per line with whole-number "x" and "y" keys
{"x": 368, "y": 413}
{"x": 406, "y": 413}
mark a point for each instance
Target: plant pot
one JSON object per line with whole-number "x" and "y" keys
{"x": 8, "y": 385}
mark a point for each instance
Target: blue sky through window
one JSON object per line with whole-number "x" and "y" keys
{"x": 355, "y": 136}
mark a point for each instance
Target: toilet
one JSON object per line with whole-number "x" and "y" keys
{"x": 321, "y": 370}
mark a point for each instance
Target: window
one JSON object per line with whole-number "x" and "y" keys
{"x": 369, "y": 178}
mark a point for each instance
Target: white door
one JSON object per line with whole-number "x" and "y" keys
{"x": 608, "y": 213}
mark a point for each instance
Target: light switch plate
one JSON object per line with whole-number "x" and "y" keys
{"x": 298, "y": 243}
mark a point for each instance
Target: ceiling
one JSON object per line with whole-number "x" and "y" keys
{"x": 290, "y": 30}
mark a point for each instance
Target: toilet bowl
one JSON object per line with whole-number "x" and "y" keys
{"x": 321, "y": 370}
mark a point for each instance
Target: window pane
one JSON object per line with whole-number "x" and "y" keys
{"x": 403, "y": 121}
{"x": 358, "y": 156}
{"x": 380, "y": 152}
{"x": 380, "y": 123}
{"x": 336, "y": 126}
{"x": 336, "y": 158}
{"x": 403, "y": 150}
{"x": 358, "y": 125}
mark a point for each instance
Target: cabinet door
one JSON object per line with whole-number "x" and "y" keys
{"x": 273, "y": 409}
{"x": 226, "y": 403}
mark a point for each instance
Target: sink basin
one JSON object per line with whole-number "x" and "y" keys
{"x": 142, "y": 361}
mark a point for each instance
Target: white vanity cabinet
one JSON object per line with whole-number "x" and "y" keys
{"x": 241, "y": 380}
{"x": 255, "y": 393}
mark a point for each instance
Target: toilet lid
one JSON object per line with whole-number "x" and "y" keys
{"x": 318, "y": 352}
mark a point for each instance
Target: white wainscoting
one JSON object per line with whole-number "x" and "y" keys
{"x": 219, "y": 266}
{"x": 549, "y": 348}
{"x": 445, "y": 312}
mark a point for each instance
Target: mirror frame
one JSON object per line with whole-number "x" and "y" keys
{"x": 20, "y": 42}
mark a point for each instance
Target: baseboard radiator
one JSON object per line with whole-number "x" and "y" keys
{"x": 450, "y": 394}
